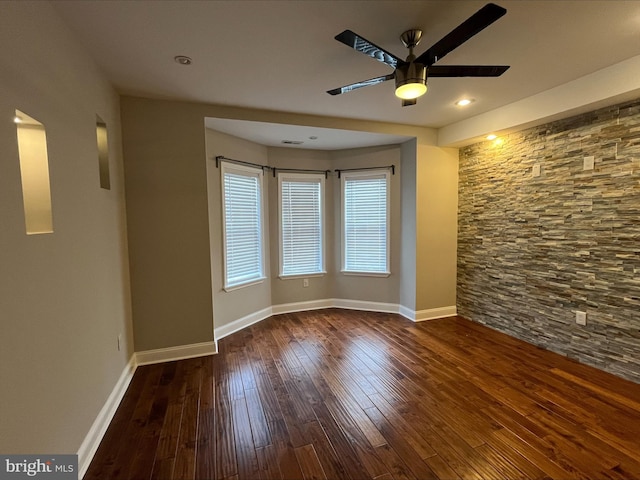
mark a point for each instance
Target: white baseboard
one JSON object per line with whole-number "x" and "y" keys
{"x": 93, "y": 438}
{"x": 365, "y": 305}
{"x": 407, "y": 313}
{"x": 433, "y": 313}
{"x": 241, "y": 323}
{"x": 180, "y": 352}
{"x": 301, "y": 306}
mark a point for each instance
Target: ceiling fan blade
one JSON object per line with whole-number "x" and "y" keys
{"x": 364, "y": 83}
{"x": 463, "y": 32}
{"x": 363, "y": 45}
{"x": 466, "y": 70}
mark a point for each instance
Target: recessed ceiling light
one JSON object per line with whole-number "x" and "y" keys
{"x": 183, "y": 60}
{"x": 492, "y": 137}
{"x": 17, "y": 119}
{"x": 464, "y": 102}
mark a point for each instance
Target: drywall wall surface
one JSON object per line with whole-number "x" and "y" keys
{"x": 168, "y": 210}
{"x": 367, "y": 288}
{"x": 64, "y": 296}
{"x": 292, "y": 290}
{"x": 408, "y": 239}
{"x": 167, "y": 214}
{"x": 436, "y": 231}
{"x": 235, "y": 304}
{"x": 534, "y": 249}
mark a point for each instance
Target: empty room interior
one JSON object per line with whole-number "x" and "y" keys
{"x": 321, "y": 239}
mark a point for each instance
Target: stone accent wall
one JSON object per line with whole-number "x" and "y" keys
{"x": 533, "y": 250}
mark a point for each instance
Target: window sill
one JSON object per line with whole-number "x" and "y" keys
{"x": 231, "y": 288}
{"x": 302, "y": 275}
{"x": 366, "y": 274}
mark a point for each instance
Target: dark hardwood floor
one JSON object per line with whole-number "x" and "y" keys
{"x": 344, "y": 394}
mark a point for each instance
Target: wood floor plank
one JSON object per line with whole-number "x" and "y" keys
{"x": 342, "y": 403}
{"x": 278, "y": 403}
{"x": 441, "y": 468}
{"x": 397, "y": 468}
{"x": 137, "y": 427}
{"x": 107, "y": 452}
{"x": 246, "y": 457}
{"x": 343, "y": 394}
{"x": 327, "y": 455}
{"x": 518, "y": 457}
{"x": 257, "y": 419}
{"x": 491, "y": 464}
{"x": 224, "y": 434}
{"x": 538, "y": 452}
{"x": 147, "y": 446}
{"x": 268, "y": 462}
{"x": 206, "y": 453}
{"x": 311, "y": 468}
{"x": 417, "y": 442}
{"x": 185, "y": 464}
{"x": 395, "y": 439}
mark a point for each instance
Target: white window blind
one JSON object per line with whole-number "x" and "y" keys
{"x": 301, "y": 224}
{"x": 365, "y": 222}
{"x": 242, "y": 224}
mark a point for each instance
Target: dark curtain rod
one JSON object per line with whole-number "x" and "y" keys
{"x": 339, "y": 171}
{"x": 219, "y": 158}
{"x": 325, "y": 172}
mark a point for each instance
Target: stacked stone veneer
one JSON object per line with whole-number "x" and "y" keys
{"x": 533, "y": 250}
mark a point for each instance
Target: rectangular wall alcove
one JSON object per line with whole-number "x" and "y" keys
{"x": 103, "y": 153}
{"x": 34, "y": 172}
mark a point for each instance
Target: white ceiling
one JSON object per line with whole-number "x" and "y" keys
{"x": 281, "y": 55}
{"x": 312, "y": 138}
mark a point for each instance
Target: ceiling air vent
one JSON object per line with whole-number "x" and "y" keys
{"x": 292, "y": 142}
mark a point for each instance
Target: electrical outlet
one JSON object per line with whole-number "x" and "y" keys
{"x": 119, "y": 342}
{"x": 581, "y": 317}
{"x": 588, "y": 163}
{"x": 305, "y": 282}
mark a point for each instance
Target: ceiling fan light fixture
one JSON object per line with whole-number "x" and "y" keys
{"x": 409, "y": 91}
{"x": 411, "y": 81}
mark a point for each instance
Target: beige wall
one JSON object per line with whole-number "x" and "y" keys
{"x": 167, "y": 215}
{"x": 373, "y": 289}
{"x": 235, "y": 304}
{"x": 172, "y": 216}
{"x": 64, "y": 296}
{"x": 408, "y": 185}
{"x": 436, "y": 220}
{"x": 292, "y": 290}
{"x": 230, "y": 306}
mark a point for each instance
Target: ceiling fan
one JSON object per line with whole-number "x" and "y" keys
{"x": 411, "y": 74}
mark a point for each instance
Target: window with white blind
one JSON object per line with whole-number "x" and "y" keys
{"x": 301, "y": 224}
{"x": 242, "y": 225}
{"x": 365, "y": 223}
